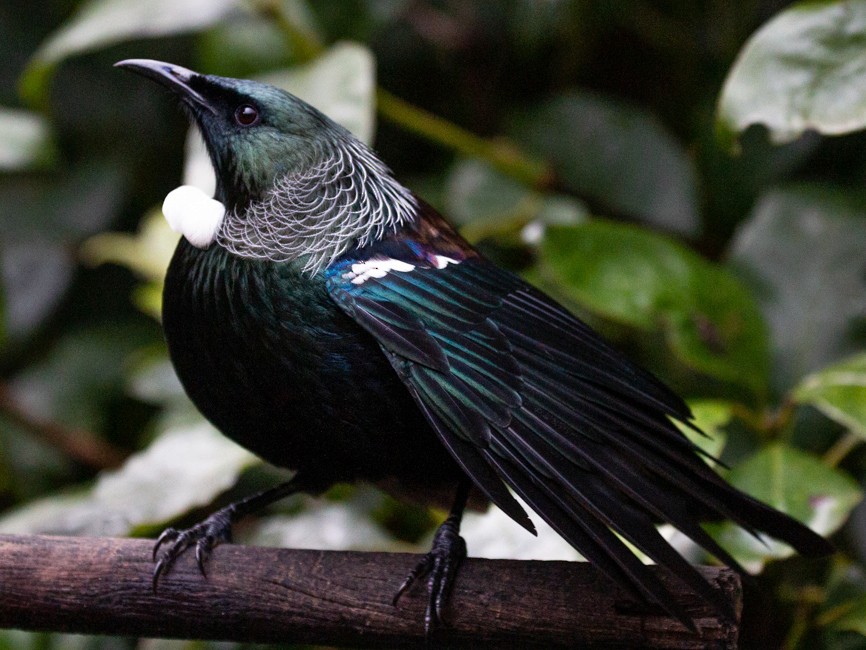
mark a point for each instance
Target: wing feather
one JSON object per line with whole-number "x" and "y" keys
{"x": 523, "y": 393}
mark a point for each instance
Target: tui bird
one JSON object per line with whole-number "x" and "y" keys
{"x": 329, "y": 320}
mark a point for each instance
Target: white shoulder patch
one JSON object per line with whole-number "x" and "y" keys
{"x": 375, "y": 268}
{"x": 441, "y": 261}
{"x": 193, "y": 214}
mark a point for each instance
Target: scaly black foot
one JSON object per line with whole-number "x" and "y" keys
{"x": 205, "y": 536}
{"x": 440, "y": 565}
{"x": 214, "y": 530}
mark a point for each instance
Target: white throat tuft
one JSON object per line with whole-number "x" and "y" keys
{"x": 193, "y": 214}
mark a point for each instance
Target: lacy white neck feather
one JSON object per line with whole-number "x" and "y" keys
{"x": 348, "y": 200}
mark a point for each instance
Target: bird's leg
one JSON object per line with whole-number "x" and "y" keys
{"x": 214, "y": 530}
{"x": 441, "y": 564}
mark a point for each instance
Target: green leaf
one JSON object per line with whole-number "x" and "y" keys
{"x": 186, "y": 467}
{"x": 258, "y": 41}
{"x": 155, "y": 381}
{"x": 474, "y": 191}
{"x": 486, "y": 203}
{"x": 844, "y": 602}
{"x": 64, "y": 206}
{"x": 838, "y": 391}
{"x": 161, "y": 483}
{"x": 854, "y": 618}
{"x": 801, "y": 250}
{"x": 147, "y": 252}
{"x": 340, "y": 83}
{"x": 796, "y": 483}
{"x": 651, "y": 282}
{"x": 75, "y": 380}
{"x": 804, "y": 69}
{"x": 21, "y": 640}
{"x": 2, "y": 315}
{"x": 617, "y": 155}
{"x": 99, "y": 23}
{"x": 197, "y": 167}
{"x": 25, "y": 140}
{"x": 42, "y": 218}
{"x": 34, "y": 278}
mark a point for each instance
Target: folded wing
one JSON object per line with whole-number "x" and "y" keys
{"x": 524, "y": 394}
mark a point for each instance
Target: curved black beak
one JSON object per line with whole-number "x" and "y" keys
{"x": 173, "y": 77}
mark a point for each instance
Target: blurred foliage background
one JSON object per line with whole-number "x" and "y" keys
{"x": 687, "y": 176}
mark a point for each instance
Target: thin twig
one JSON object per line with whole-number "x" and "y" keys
{"x": 81, "y": 445}
{"x": 502, "y": 154}
{"x": 841, "y": 448}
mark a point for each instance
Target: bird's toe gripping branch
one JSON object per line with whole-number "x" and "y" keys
{"x": 205, "y": 535}
{"x": 440, "y": 567}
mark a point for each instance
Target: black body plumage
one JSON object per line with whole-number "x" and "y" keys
{"x": 394, "y": 353}
{"x": 268, "y": 357}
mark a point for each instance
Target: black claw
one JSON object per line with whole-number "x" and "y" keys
{"x": 202, "y": 551}
{"x": 180, "y": 541}
{"x": 167, "y": 534}
{"x": 440, "y": 567}
{"x": 441, "y": 581}
{"x": 421, "y": 569}
{"x": 157, "y": 572}
{"x": 205, "y": 536}
{"x": 214, "y": 530}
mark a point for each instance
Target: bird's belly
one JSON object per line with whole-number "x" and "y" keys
{"x": 301, "y": 412}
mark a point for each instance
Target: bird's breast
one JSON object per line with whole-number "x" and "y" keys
{"x": 266, "y": 355}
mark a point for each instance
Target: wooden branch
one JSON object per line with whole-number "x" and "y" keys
{"x": 103, "y": 586}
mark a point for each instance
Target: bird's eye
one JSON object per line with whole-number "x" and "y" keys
{"x": 246, "y": 115}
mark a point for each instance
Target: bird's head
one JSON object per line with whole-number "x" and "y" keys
{"x": 295, "y": 185}
{"x": 255, "y": 133}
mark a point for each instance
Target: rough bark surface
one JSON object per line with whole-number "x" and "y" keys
{"x": 103, "y": 586}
